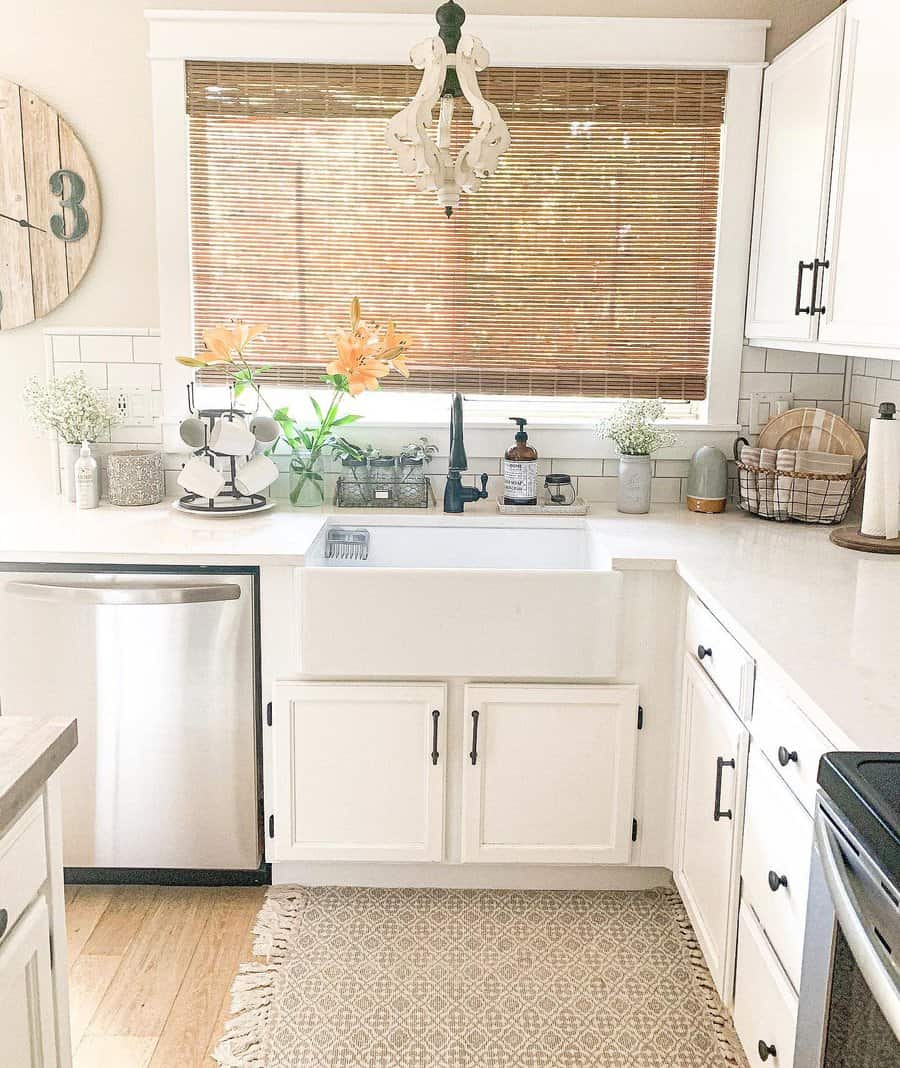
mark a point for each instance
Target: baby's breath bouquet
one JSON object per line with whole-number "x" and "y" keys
{"x": 631, "y": 428}
{"x": 69, "y": 407}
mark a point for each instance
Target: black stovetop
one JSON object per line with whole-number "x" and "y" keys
{"x": 866, "y": 789}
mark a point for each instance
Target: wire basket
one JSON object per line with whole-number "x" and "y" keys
{"x": 784, "y": 495}
{"x": 394, "y": 492}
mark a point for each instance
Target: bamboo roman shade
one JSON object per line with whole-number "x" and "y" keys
{"x": 583, "y": 267}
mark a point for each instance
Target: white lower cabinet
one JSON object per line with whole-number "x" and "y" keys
{"x": 359, "y": 771}
{"x": 548, "y": 773}
{"x": 765, "y": 1005}
{"x": 27, "y": 1010}
{"x": 711, "y": 777}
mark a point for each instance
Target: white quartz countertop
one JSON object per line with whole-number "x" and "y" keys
{"x": 30, "y": 751}
{"x": 825, "y": 619}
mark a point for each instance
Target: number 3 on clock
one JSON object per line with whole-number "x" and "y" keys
{"x": 70, "y": 202}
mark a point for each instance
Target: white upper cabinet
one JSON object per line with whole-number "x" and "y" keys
{"x": 824, "y": 273}
{"x": 712, "y": 774}
{"x": 549, "y": 773}
{"x": 792, "y": 181}
{"x": 359, "y": 771}
{"x": 863, "y": 277}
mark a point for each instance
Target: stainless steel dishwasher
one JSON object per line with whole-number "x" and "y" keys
{"x": 160, "y": 666}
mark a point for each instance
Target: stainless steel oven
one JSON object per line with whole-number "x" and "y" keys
{"x": 849, "y": 1013}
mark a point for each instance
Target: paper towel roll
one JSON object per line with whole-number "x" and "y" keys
{"x": 881, "y": 504}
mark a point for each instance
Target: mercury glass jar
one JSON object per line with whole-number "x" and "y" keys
{"x": 633, "y": 490}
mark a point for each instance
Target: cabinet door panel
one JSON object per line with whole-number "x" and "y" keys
{"x": 792, "y": 181}
{"x": 863, "y": 278}
{"x": 26, "y": 993}
{"x": 707, "y": 850}
{"x": 553, "y": 778}
{"x": 355, "y": 778}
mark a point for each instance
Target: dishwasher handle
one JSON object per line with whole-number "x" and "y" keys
{"x": 116, "y": 594}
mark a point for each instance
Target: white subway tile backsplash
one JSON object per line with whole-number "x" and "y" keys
{"x": 895, "y": 369}
{"x": 753, "y": 359}
{"x": 887, "y": 390}
{"x": 147, "y": 350}
{"x": 879, "y": 368}
{"x": 832, "y": 365}
{"x": 764, "y": 383}
{"x": 783, "y": 360}
{"x": 137, "y": 435}
{"x": 836, "y": 406}
{"x": 595, "y": 488}
{"x": 665, "y": 490}
{"x": 66, "y": 348}
{"x": 862, "y": 389}
{"x": 94, "y": 373}
{"x": 672, "y": 468}
{"x": 106, "y": 348}
{"x": 134, "y": 376}
{"x": 823, "y": 387}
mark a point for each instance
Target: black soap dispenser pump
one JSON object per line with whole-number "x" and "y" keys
{"x": 520, "y": 469}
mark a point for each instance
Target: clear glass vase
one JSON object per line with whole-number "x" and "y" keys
{"x": 307, "y": 479}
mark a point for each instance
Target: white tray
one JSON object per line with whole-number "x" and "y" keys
{"x": 578, "y": 507}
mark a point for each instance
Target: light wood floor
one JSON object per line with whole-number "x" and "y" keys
{"x": 150, "y": 969}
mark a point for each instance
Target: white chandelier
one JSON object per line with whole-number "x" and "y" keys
{"x": 450, "y": 63}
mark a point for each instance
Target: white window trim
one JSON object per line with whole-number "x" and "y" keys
{"x": 735, "y": 45}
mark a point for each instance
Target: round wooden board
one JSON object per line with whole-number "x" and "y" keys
{"x": 850, "y": 538}
{"x": 50, "y": 222}
{"x": 815, "y": 429}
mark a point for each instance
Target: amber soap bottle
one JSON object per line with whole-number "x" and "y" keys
{"x": 520, "y": 469}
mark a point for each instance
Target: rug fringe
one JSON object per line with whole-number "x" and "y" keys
{"x": 729, "y": 1043}
{"x": 253, "y": 989}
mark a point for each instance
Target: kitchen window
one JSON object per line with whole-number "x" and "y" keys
{"x": 584, "y": 268}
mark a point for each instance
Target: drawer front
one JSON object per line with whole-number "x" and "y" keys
{"x": 726, "y": 662}
{"x": 788, "y": 739}
{"x": 765, "y": 1006}
{"x": 23, "y": 864}
{"x": 777, "y": 850}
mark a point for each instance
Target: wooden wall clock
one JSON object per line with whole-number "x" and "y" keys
{"x": 49, "y": 207}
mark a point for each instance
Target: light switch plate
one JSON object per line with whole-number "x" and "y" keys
{"x": 764, "y": 406}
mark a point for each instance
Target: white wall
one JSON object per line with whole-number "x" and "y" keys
{"x": 89, "y": 61}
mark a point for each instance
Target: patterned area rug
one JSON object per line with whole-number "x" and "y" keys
{"x": 368, "y": 978}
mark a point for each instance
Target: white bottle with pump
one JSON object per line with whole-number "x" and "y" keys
{"x": 87, "y": 479}
{"x": 520, "y": 469}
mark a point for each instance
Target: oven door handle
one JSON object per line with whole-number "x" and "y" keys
{"x": 877, "y": 977}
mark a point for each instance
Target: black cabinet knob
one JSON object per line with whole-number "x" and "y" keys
{"x": 701, "y": 652}
{"x": 766, "y": 1051}
{"x": 4, "y": 920}
{"x": 785, "y": 756}
{"x": 776, "y": 881}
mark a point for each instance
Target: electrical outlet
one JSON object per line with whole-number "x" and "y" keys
{"x": 134, "y": 407}
{"x": 765, "y": 406}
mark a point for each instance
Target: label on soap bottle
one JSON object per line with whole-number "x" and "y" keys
{"x": 520, "y": 481}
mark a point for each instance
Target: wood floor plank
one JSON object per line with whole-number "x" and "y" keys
{"x": 188, "y": 1031}
{"x": 83, "y": 915}
{"x": 71, "y": 891}
{"x": 246, "y": 955}
{"x": 89, "y": 979}
{"x": 115, "y": 1051}
{"x": 121, "y": 921}
{"x": 153, "y": 967}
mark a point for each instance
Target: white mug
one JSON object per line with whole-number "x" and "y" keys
{"x": 198, "y": 476}
{"x": 256, "y": 476}
{"x": 232, "y": 438}
{"x": 193, "y": 432}
{"x": 265, "y": 429}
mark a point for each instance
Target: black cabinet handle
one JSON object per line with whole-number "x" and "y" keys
{"x": 765, "y": 1050}
{"x": 801, "y": 267}
{"x": 4, "y": 920}
{"x": 785, "y": 756}
{"x": 435, "y": 716}
{"x": 473, "y": 755}
{"x": 718, "y": 814}
{"x": 776, "y": 881}
{"x": 817, "y": 309}
{"x": 701, "y": 652}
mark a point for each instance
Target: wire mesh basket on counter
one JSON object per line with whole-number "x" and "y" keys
{"x": 357, "y": 491}
{"x": 806, "y": 498}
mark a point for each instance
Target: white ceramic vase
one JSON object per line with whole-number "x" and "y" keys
{"x": 633, "y": 490}
{"x": 68, "y": 454}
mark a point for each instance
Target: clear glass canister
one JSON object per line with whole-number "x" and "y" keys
{"x": 558, "y": 490}
{"x": 412, "y": 486}
{"x": 355, "y": 487}
{"x": 383, "y": 472}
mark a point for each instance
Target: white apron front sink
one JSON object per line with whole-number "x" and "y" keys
{"x": 479, "y": 601}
